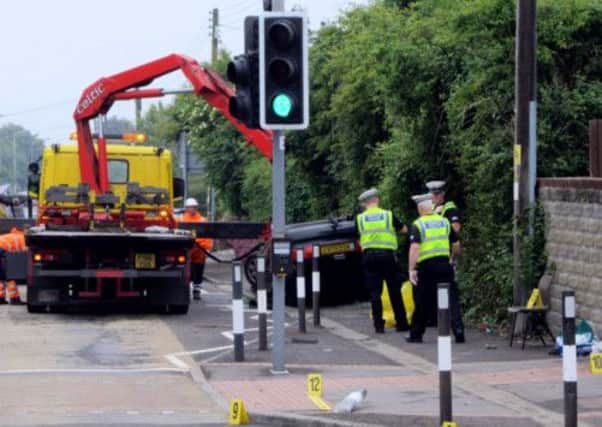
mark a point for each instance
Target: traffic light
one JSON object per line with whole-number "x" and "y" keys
{"x": 243, "y": 71}
{"x": 283, "y": 71}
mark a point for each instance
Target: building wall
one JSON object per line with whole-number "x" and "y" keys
{"x": 573, "y": 209}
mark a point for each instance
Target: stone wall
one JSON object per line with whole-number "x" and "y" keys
{"x": 573, "y": 209}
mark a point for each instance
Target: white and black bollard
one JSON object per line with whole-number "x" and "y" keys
{"x": 569, "y": 359}
{"x": 238, "y": 313}
{"x": 262, "y": 304}
{"x": 444, "y": 354}
{"x": 315, "y": 283}
{"x": 301, "y": 290}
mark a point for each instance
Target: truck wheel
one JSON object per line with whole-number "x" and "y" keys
{"x": 177, "y": 309}
{"x": 35, "y": 308}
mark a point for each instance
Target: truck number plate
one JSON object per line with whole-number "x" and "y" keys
{"x": 339, "y": 248}
{"x": 145, "y": 261}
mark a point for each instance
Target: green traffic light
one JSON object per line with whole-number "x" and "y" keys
{"x": 282, "y": 105}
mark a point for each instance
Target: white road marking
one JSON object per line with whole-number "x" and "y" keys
{"x": 256, "y": 317}
{"x": 94, "y": 371}
{"x": 230, "y": 336}
{"x": 203, "y": 351}
{"x": 176, "y": 362}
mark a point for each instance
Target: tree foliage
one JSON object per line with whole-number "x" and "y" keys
{"x": 402, "y": 92}
{"x": 27, "y": 148}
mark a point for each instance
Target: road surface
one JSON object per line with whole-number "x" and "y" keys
{"x": 113, "y": 368}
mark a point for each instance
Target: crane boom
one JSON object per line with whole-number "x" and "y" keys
{"x": 98, "y": 98}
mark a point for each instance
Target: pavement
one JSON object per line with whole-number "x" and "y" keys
{"x": 493, "y": 384}
{"x": 132, "y": 369}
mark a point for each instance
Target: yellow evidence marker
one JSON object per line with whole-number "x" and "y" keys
{"x": 314, "y": 391}
{"x": 595, "y": 363}
{"x": 238, "y": 413}
{"x": 449, "y": 424}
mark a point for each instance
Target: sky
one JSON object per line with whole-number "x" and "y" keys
{"x": 52, "y": 50}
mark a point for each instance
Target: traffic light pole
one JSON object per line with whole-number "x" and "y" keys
{"x": 278, "y": 232}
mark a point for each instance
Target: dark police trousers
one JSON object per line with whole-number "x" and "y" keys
{"x": 380, "y": 265}
{"x": 430, "y": 273}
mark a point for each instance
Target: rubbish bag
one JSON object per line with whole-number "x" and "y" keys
{"x": 351, "y": 402}
{"x": 407, "y": 296}
{"x": 584, "y": 339}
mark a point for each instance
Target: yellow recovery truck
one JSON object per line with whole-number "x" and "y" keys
{"x": 121, "y": 246}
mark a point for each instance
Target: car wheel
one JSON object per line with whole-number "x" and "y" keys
{"x": 250, "y": 266}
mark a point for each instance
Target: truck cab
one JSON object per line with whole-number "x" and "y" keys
{"x": 146, "y": 165}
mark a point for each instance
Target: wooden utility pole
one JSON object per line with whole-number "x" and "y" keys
{"x": 138, "y": 113}
{"x": 595, "y": 148}
{"x": 214, "y": 37}
{"x": 214, "y": 53}
{"x": 524, "y": 134}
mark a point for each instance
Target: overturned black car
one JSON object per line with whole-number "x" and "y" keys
{"x": 339, "y": 261}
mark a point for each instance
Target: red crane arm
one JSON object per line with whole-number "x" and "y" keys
{"x": 99, "y": 97}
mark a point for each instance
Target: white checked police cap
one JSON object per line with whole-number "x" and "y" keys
{"x": 368, "y": 194}
{"x": 419, "y": 198}
{"x": 436, "y": 186}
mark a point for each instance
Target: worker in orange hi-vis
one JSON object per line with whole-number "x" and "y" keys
{"x": 11, "y": 242}
{"x": 197, "y": 255}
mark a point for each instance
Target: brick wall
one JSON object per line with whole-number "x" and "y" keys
{"x": 573, "y": 209}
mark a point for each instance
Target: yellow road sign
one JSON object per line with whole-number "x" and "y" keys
{"x": 517, "y": 154}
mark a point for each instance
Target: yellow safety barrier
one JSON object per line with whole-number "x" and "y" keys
{"x": 407, "y": 296}
{"x": 595, "y": 363}
{"x": 238, "y": 413}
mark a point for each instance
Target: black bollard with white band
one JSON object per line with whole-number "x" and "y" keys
{"x": 315, "y": 283}
{"x": 238, "y": 313}
{"x": 444, "y": 354}
{"x": 262, "y": 304}
{"x": 301, "y": 290}
{"x": 569, "y": 359}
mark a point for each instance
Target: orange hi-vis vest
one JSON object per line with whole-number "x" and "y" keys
{"x": 197, "y": 256}
{"x": 13, "y": 241}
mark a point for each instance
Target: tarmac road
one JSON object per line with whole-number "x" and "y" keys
{"x": 110, "y": 369}
{"x": 159, "y": 370}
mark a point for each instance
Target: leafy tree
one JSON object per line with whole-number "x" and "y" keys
{"x": 16, "y": 140}
{"x": 114, "y": 125}
{"x": 401, "y": 95}
{"x": 402, "y": 92}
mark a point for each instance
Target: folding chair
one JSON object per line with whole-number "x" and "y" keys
{"x": 535, "y": 314}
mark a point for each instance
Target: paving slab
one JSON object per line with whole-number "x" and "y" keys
{"x": 504, "y": 387}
